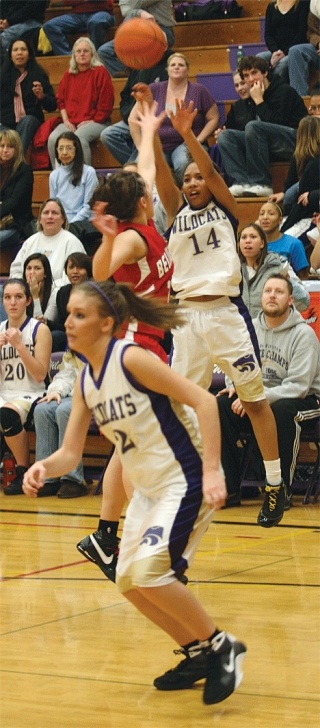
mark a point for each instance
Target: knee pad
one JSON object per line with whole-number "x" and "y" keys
{"x": 10, "y": 422}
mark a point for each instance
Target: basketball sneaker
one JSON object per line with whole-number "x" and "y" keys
{"x": 102, "y": 548}
{"x": 224, "y": 663}
{"x": 187, "y": 672}
{"x": 273, "y": 507}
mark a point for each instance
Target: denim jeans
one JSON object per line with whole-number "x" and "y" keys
{"x": 246, "y": 155}
{"x": 280, "y": 70}
{"x": 301, "y": 58}
{"x": 290, "y": 198}
{"x": 111, "y": 61}
{"x": 118, "y": 140}
{"x": 95, "y": 24}
{"x": 9, "y": 237}
{"x": 50, "y": 420}
{"x": 19, "y": 30}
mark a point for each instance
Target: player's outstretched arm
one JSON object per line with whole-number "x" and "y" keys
{"x": 182, "y": 121}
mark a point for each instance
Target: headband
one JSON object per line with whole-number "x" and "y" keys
{"x": 107, "y": 299}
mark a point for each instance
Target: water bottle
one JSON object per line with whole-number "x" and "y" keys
{"x": 240, "y": 54}
{"x": 8, "y": 469}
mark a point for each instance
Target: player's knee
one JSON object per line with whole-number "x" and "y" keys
{"x": 10, "y": 422}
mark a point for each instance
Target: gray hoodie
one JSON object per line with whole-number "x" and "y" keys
{"x": 252, "y": 289}
{"x": 289, "y": 358}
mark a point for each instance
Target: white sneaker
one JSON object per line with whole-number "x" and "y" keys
{"x": 257, "y": 190}
{"x": 237, "y": 190}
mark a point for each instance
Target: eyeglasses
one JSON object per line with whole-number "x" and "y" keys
{"x": 316, "y": 107}
{"x": 66, "y": 149}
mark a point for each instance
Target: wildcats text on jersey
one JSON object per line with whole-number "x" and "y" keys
{"x": 114, "y": 409}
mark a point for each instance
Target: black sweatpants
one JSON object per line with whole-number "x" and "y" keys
{"x": 289, "y": 415}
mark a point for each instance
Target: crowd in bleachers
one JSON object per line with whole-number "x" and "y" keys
{"x": 274, "y": 117}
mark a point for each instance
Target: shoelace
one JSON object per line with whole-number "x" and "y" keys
{"x": 273, "y": 491}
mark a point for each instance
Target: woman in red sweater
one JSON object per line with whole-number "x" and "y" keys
{"x": 85, "y": 98}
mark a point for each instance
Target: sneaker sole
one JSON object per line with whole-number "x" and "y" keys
{"x": 238, "y": 675}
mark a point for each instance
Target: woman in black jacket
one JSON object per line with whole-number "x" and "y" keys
{"x": 16, "y": 185}
{"x": 25, "y": 92}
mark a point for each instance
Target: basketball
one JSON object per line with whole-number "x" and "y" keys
{"x": 140, "y": 43}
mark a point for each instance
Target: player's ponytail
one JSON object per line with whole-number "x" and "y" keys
{"x": 119, "y": 301}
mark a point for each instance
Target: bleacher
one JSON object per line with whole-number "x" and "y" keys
{"x": 211, "y": 48}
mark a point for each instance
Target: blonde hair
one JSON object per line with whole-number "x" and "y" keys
{"x": 178, "y": 55}
{"x": 13, "y": 139}
{"x": 307, "y": 141}
{"x": 95, "y": 59}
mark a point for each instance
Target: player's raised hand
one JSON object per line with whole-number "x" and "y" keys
{"x": 106, "y": 224}
{"x": 182, "y": 118}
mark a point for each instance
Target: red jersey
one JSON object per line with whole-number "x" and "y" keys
{"x": 150, "y": 276}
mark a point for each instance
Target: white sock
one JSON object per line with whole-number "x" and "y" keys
{"x": 273, "y": 471}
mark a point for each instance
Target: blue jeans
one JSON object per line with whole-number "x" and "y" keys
{"x": 118, "y": 140}
{"x": 290, "y": 198}
{"x": 9, "y": 237}
{"x": 58, "y": 28}
{"x": 301, "y": 58}
{"x": 111, "y": 61}
{"x": 246, "y": 155}
{"x": 19, "y": 30}
{"x": 26, "y": 128}
{"x": 280, "y": 70}
{"x": 50, "y": 421}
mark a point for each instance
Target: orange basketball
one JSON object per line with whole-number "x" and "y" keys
{"x": 140, "y": 43}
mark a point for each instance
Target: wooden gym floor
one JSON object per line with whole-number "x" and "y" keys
{"x": 75, "y": 654}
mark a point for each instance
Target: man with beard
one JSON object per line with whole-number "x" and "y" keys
{"x": 289, "y": 352}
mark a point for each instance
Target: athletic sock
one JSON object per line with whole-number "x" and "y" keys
{"x": 109, "y": 526}
{"x": 273, "y": 471}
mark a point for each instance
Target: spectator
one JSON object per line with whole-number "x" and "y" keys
{"x": 302, "y": 58}
{"x": 51, "y": 417}
{"x": 289, "y": 352}
{"x": 257, "y": 265}
{"x": 165, "y": 94}
{"x": 78, "y": 268}
{"x": 285, "y": 26}
{"x": 246, "y": 155}
{"x": 25, "y": 348}
{"x": 117, "y": 137}
{"x": 93, "y": 18}
{"x": 85, "y": 98}
{"x": 270, "y": 219}
{"x": 37, "y": 272}
{"x": 306, "y": 161}
{"x": 314, "y": 108}
{"x": 53, "y": 239}
{"x": 20, "y": 19}
{"x": 25, "y": 92}
{"x": 303, "y": 174}
{"x": 74, "y": 182}
{"x": 16, "y": 184}
{"x": 159, "y": 11}
{"x": 239, "y": 113}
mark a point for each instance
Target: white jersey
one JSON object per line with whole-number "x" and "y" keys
{"x": 155, "y": 439}
{"x": 202, "y": 245}
{"x": 16, "y": 382}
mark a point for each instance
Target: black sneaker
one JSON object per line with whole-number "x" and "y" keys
{"x": 102, "y": 548}
{"x": 186, "y": 673}
{"x": 224, "y": 673}
{"x": 274, "y": 502}
{"x": 15, "y": 487}
{"x": 288, "y": 501}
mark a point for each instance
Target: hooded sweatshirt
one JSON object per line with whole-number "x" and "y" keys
{"x": 253, "y": 287}
{"x": 289, "y": 358}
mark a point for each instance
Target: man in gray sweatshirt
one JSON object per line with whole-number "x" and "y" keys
{"x": 289, "y": 351}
